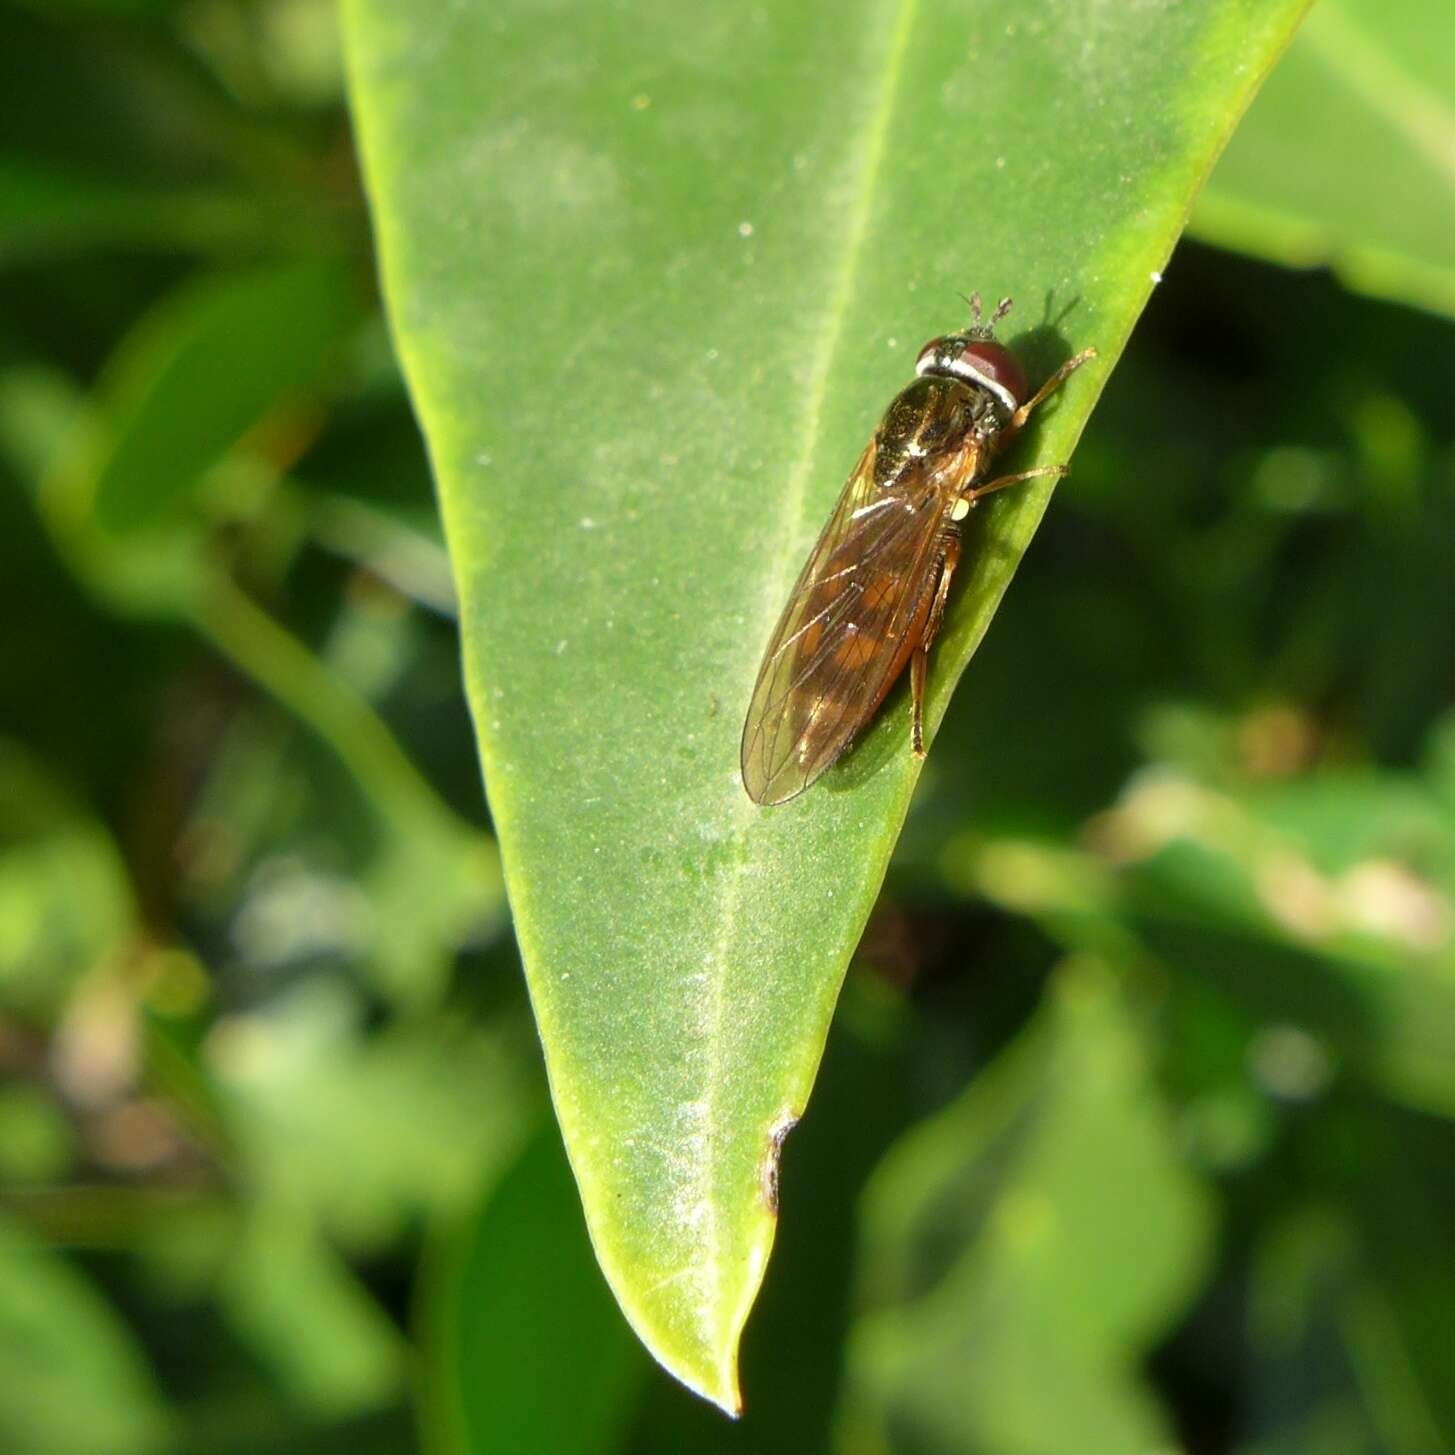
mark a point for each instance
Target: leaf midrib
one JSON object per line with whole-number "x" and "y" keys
{"x": 873, "y": 140}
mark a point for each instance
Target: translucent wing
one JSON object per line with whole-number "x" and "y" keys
{"x": 851, "y": 622}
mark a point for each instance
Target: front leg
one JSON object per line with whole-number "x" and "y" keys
{"x": 919, "y": 662}
{"x": 963, "y": 504}
{"x": 1018, "y": 419}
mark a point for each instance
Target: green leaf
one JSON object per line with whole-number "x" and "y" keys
{"x": 1322, "y": 904}
{"x": 1348, "y": 158}
{"x": 513, "y": 1306}
{"x": 211, "y": 362}
{"x": 1350, "y": 1298}
{"x": 37, "y": 1143}
{"x": 331, "y": 1125}
{"x": 653, "y": 274}
{"x": 53, "y": 857}
{"x": 304, "y": 1314}
{"x": 76, "y": 1382}
{"x": 49, "y": 210}
{"x": 990, "y": 1234}
{"x": 216, "y": 383}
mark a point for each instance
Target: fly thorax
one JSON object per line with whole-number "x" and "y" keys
{"x": 929, "y": 417}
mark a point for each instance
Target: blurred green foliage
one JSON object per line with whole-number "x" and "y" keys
{"x": 1364, "y": 93}
{"x": 1135, "y": 1123}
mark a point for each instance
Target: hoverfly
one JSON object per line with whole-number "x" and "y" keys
{"x": 871, "y": 595}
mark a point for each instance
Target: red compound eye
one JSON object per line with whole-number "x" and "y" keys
{"x": 979, "y": 361}
{"x": 927, "y": 354}
{"x": 994, "y": 365}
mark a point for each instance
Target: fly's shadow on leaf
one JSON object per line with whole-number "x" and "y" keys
{"x": 884, "y": 738}
{"x": 1042, "y": 350}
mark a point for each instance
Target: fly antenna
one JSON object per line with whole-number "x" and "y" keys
{"x": 1001, "y": 309}
{"x": 973, "y": 304}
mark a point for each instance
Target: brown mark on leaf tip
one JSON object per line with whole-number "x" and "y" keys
{"x": 776, "y": 1137}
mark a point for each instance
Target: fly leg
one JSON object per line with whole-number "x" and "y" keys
{"x": 1049, "y": 387}
{"x": 1017, "y": 420}
{"x": 963, "y": 504}
{"x": 949, "y": 559}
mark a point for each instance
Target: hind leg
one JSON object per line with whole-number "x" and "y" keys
{"x": 919, "y": 663}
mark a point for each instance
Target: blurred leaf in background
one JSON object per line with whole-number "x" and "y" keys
{"x": 530, "y": 1350}
{"x": 1041, "y": 1233}
{"x": 1364, "y": 96}
{"x": 1136, "y": 1115}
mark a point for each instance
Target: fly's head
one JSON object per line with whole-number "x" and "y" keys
{"x": 975, "y": 357}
